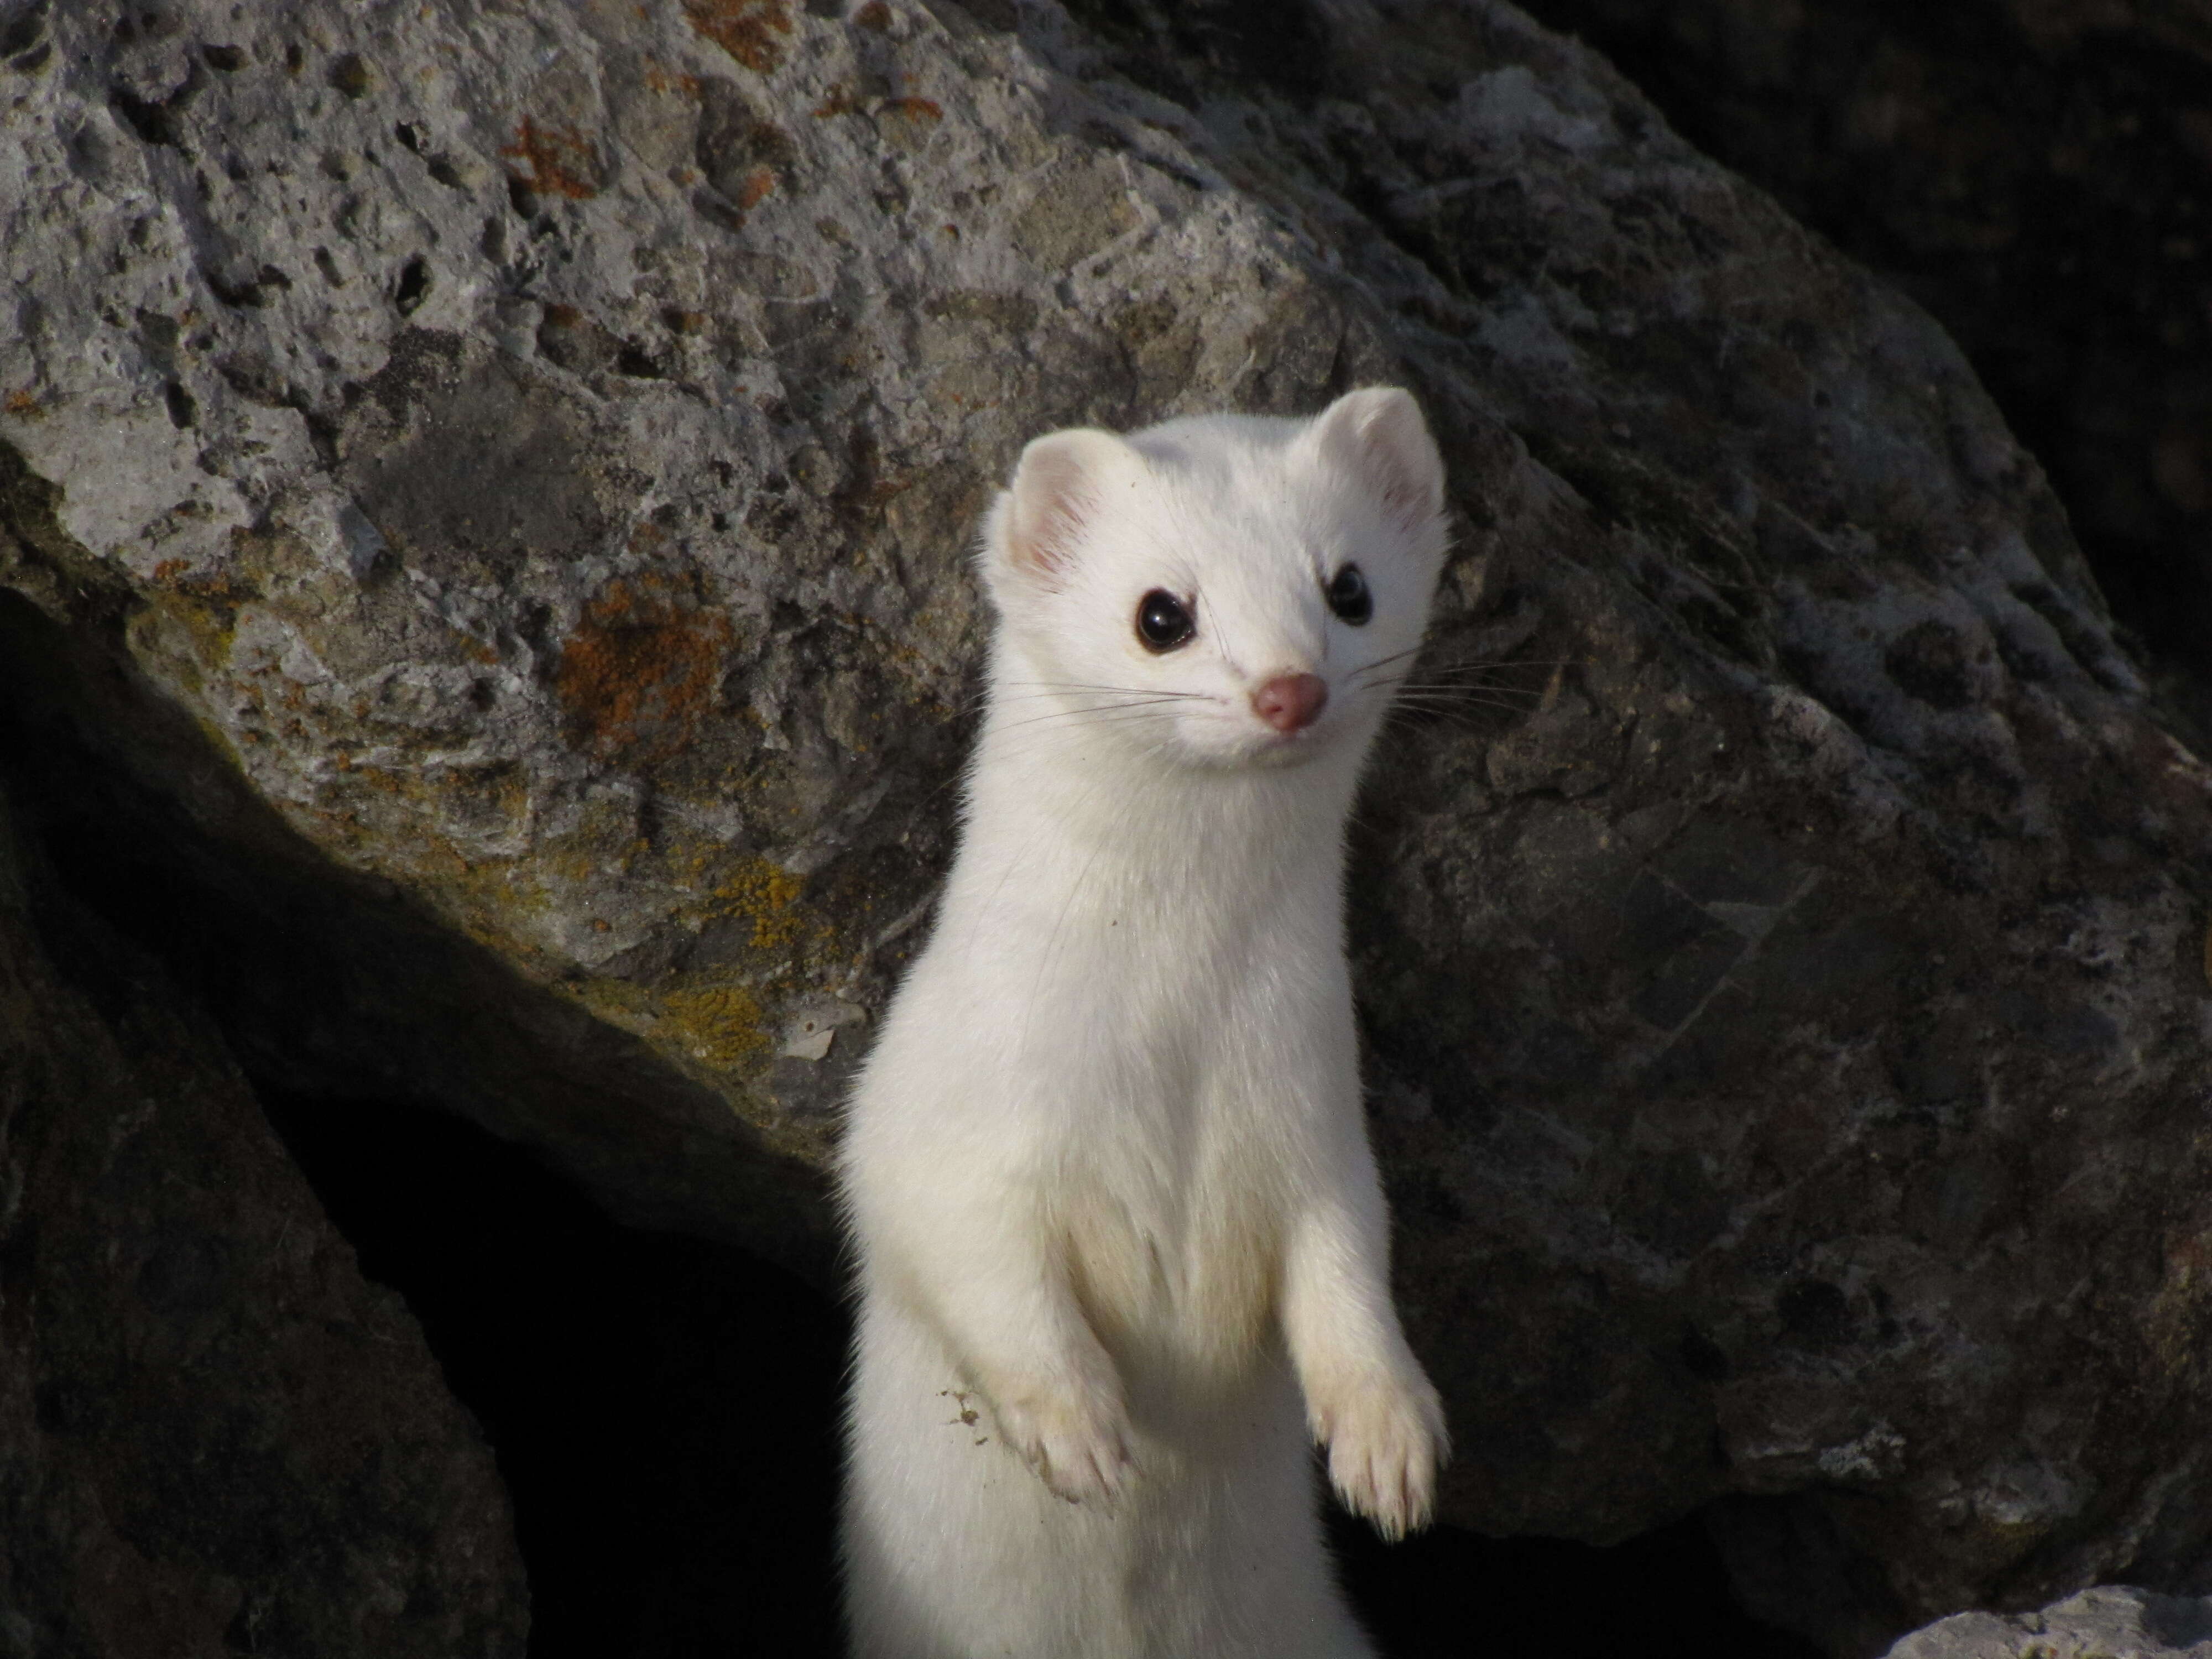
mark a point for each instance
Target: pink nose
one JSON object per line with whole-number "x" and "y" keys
{"x": 1292, "y": 702}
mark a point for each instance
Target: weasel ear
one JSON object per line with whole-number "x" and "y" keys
{"x": 1376, "y": 435}
{"x": 1064, "y": 482}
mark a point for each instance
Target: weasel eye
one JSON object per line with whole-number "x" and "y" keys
{"x": 1162, "y": 623}
{"x": 1349, "y": 596}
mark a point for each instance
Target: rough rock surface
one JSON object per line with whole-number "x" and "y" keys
{"x": 214, "y": 1437}
{"x": 2097, "y": 1624}
{"x": 2039, "y": 174}
{"x": 502, "y": 475}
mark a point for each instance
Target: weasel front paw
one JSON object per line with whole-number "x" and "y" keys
{"x": 1386, "y": 1440}
{"x": 1077, "y": 1439}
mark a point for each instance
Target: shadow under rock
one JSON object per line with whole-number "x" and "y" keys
{"x": 1451, "y": 1594}
{"x": 664, "y": 1408}
{"x": 664, "y": 1411}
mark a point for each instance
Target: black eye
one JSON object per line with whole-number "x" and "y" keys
{"x": 1162, "y": 623}
{"x": 1349, "y": 596}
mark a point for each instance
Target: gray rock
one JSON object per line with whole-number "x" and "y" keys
{"x": 215, "y": 1436}
{"x": 2034, "y": 171}
{"x": 488, "y": 492}
{"x": 2116, "y": 1623}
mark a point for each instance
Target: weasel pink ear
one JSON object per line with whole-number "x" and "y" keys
{"x": 1064, "y": 482}
{"x": 1376, "y": 435}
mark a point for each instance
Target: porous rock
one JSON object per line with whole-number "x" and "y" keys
{"x": 215, "y": 1436}
{"x": 527, "y": 456}
{"x": 2116, "y": 1623}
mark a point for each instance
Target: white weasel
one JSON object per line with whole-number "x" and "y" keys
{"x": 1106, "y": 1168}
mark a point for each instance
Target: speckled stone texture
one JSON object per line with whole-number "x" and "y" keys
{"x": 2097, "y": 1624}
{"x": 214, "y": 1437}
{"x": 491, "y": 485}
{"x": 2039, "y": 174}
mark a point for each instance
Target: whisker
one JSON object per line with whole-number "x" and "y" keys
{"x": 1056, "y": 696}
{"x": 1456, "y": 711}
{"x": 1065, "y": 715}
{"x": 1406, "y": 686}
{"x": 1127, "y": 700}
{"x": 1079, "y": 685}
{"x": 1503, "y": 697}
{"x": 1461, "y": 717}
{"x": 1472, "y": 670}
{"x": 1532, "y": 696}
{"x": 1501, "y": 665}
{"x": 1457, "y": 697}
{"x": 1384, "y": 662}
{"x": 1043, "y": 688}
{"x": 1138, "y": 706}
{"x": 1410, "y": 678}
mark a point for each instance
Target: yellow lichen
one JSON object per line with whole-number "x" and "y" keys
{"x": 718, "y": 1024}
{"x": 764, "y": 895}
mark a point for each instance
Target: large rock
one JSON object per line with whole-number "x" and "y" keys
{"x": 2036, "y": 172}
{"x": 502, "y": 477}
{"x": 214, "y": 1437}
{"x": 2099, "y": 1623}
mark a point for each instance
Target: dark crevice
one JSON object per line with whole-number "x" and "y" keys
{"x": 664, "y": 1409}
{"x": 26, "y": 28}
{"x": 1451, "y": 1594}
{"x": 155, "y": 122}
{"x": 1156, "y": 44}
{"x": 237, "y": 295}
{"x": 349, "y": 74}
{"x": 413, "y": 287}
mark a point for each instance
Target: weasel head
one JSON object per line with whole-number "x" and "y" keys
{"x": 1221, "y": 590}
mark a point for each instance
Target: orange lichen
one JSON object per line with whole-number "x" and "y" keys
{"x": 24, "y": 404}
{"x": 746, "y": 29}
{"x": 560, "y": 160}
{"x": 875, "y": 16}
{"x": 918, "y": 109}
{"x": 758, "y": 184}
{"x": 641, "y": 670}
{"x": 657, "y": 79}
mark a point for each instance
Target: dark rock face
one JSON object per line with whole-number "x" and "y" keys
{"x": 214, "y": 1437}
{"x": 2037, "y": 175}
{"x": 498, "y": 483}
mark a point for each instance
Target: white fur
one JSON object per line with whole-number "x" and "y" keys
{"x": 1106, "y": 1168}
